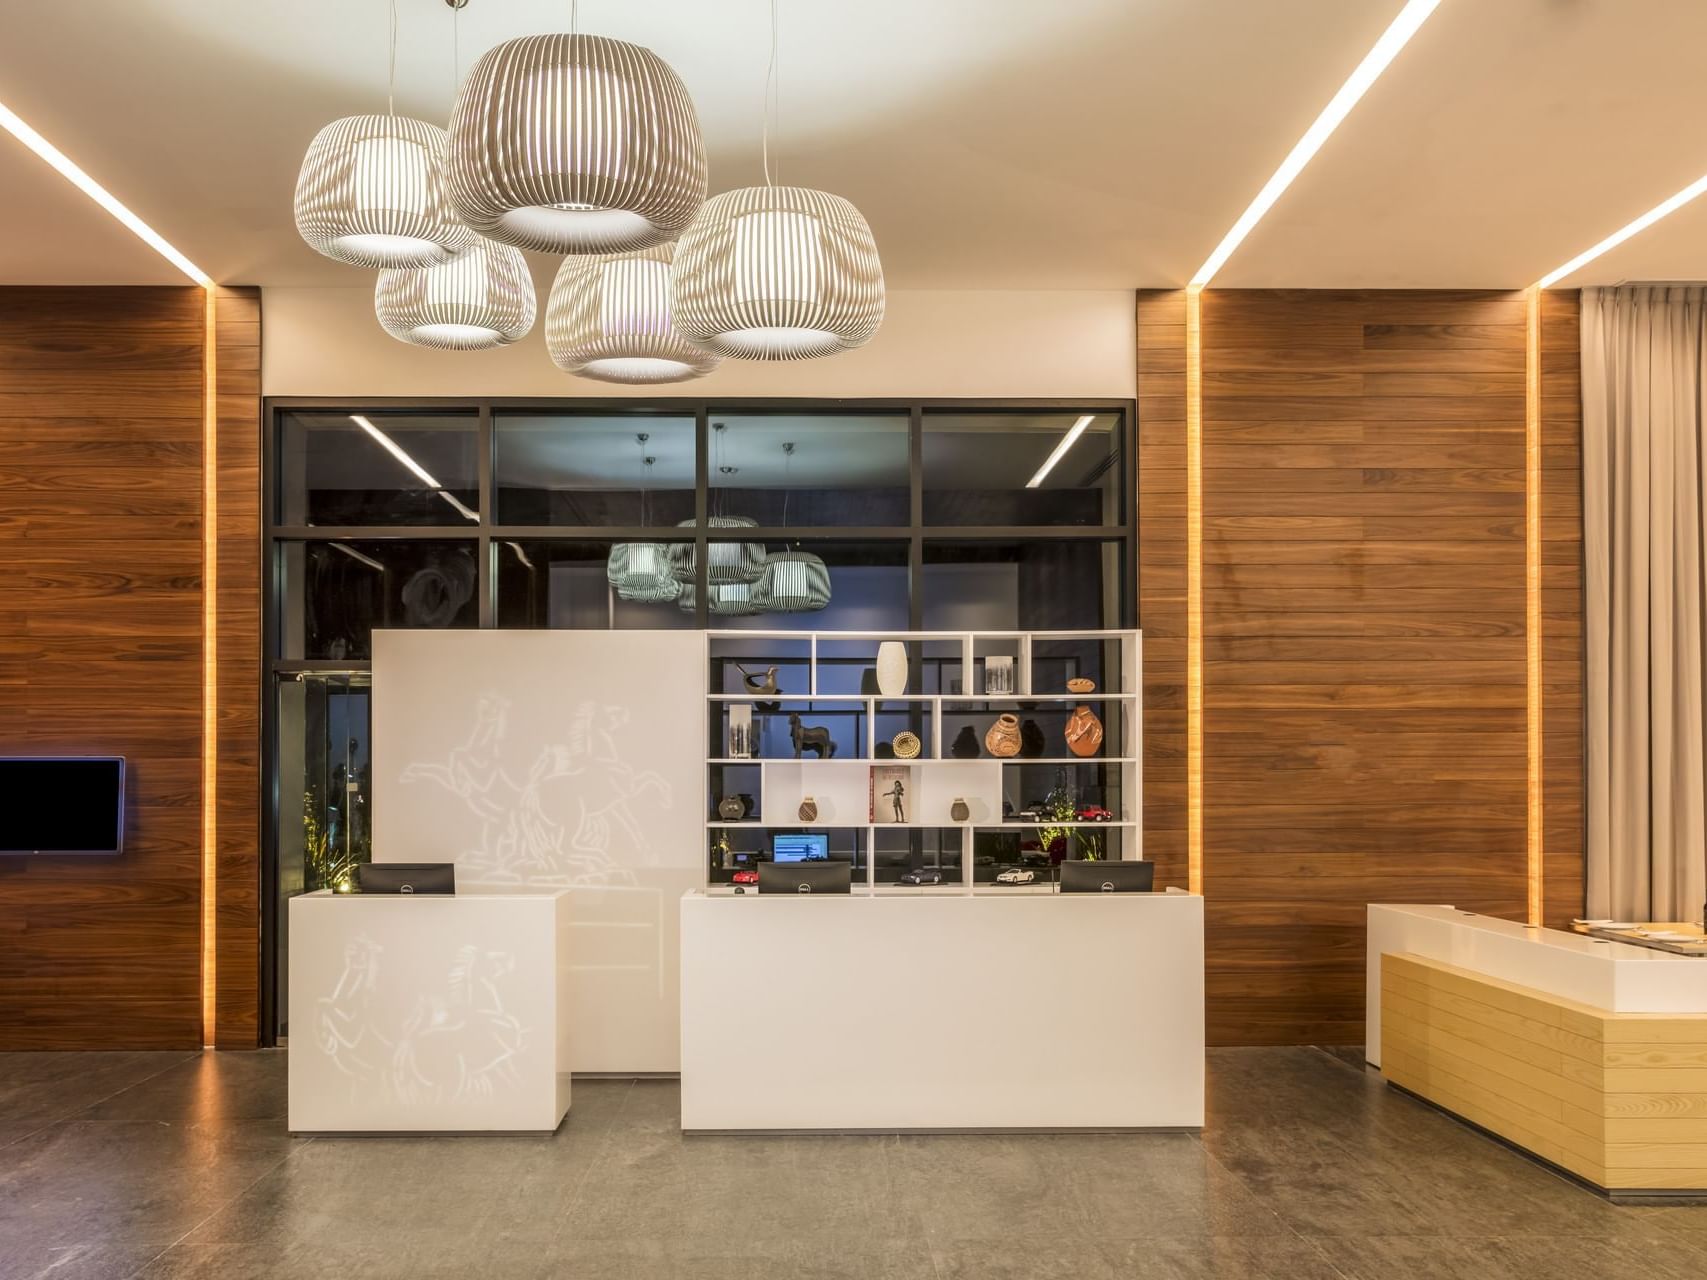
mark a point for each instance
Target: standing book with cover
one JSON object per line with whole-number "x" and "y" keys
{"x": 891, "y": 793}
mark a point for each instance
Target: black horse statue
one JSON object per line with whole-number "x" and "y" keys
{"x": 810, "y": 738}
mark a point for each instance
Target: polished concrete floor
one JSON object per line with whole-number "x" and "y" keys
{"x": 175, "y": 1165}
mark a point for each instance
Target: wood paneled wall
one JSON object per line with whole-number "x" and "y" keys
{"x": 101, "y": 421}
{"x": 1364, "y": 643}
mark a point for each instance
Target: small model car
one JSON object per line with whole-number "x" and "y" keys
{"x": 1016, "y": 875}
{"x": 1095, "y": 813}
{"x": 922, "y": 875}
{"x": 1034, "y": 813}
{"x": 746, "y": 877}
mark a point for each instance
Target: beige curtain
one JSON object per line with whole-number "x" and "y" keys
{"x": 1642, "y": 375}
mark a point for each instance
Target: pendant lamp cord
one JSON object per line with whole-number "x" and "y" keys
{"x": 574, "y": 17}
{"x": 455, "y": 52}
{"x": 391, "y": 67}
{"x": 773, "y": 104}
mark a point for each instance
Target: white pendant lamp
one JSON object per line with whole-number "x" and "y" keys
{"x": 482, "y": 299}
{"x": 575, "y": 144}
{"x": 778, "y": 273}
{"x": 372, "y": 193}
{"x": 726, "y": 563}
{"x": 732, "y": 601}
{"x": 639, "y": 571}
{"x": 609, "y": 319}
{"x": 792, "y": 582}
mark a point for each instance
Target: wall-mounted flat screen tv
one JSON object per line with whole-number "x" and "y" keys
{"x": 62, "y": 804}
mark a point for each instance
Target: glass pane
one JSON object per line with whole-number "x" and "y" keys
{"x": 589, "y": 586}
{"x": 378, "y": 469}
{"x": 578, "y": 469}
{"x": 335, "y": 593}
{"x": 1057, "y": 584}
{"x": 1054, "y": 468}
{"x": 810, "y": 469}
{"x": 811, "y": 586}
{"x": 324, "y": 771}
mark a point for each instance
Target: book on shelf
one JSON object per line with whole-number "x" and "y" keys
{"x": 891, "y": 797}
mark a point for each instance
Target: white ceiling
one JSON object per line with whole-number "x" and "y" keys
{"x": 992, "y": 144}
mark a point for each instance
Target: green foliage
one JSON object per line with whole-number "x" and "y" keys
{"x": 1062, "y": 806}
{"x": 325, "y": 865}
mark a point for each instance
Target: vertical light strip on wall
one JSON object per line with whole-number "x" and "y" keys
{"x": 1194, "y": 587}
{"x": 1533, "y": 809}
{"x": 210, "y": 666}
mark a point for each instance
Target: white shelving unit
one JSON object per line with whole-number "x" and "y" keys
{"x": 808, "y": 663}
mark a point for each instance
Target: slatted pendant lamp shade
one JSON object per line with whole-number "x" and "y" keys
{"x": 575, "y": 144}
{"x": 732, "y": 601}
{"x": 609, "y": 319}
{"x": 726, "y": 562}
{"x": 792, "y": 582}
{"x": 640, "y": 571}
{"x": 482, "y": 299}
{"x": 778, "y": 273}
{"x": 372, "y": 193}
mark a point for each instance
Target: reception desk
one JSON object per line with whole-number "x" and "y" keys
{"x": 414, "y": 1013}
{"x": 1589, "y": 1054}
{"x": 942, "y": 1011}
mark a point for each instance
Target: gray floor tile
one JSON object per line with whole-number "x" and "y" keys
{"x": 87, "y": 1261}
{"x": 37, "y": 1089}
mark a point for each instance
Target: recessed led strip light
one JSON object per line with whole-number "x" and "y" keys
{"x": 1618, "y": 237}
{"x": 100, "y": 195}
{"x": 421, "y": 473}
{"x": 1067, "y": 442}
{"x": 1393, "y": 39}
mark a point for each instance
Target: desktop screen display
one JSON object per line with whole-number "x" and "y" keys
{"x": 62, "y": 805}
{"x": 800, "y": 848}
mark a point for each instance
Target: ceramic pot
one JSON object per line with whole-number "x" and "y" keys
{"x": 1032, "y": 743}
{"x": 1084, "y": 731}
{"x": 730, "y": 809}
{"x": 965, "y": 744}
{"x": 892, "y": 668}
{"x": 1081, "y": 684}
{"x": 906, "y": 744}
{"x": 809, "y": 810}
{"x": 1003, "y": 739}
{"x": 958, "y": 810}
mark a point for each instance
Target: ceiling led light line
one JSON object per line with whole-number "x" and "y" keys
{"x": 420, "y": 473}
{"x": 1067, "y": 442}
{"x": 100, "y": 195}
{"x": 1618, "y": 237}
{"x": 1403, "y": 27}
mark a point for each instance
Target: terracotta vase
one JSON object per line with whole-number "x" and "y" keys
{"x": 808, "y": 810}
{"x": 1084, "y": 731}
{"x": 1003, "y": 739}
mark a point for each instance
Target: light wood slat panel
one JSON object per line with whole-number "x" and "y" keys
{"x": 1620, "y": 1099}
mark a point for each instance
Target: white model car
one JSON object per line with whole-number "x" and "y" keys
{"x": 1016, "y": 875}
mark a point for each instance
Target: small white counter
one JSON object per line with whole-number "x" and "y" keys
{"x": 942, "y": 1011}
{"x": 416, "y": 1013}
{"x": 1613, "y": 976}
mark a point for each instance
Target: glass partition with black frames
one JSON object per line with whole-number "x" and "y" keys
{"x": 629, "y": 514}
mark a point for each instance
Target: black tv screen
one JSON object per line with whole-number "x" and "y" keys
{"x": 68, "y": 804}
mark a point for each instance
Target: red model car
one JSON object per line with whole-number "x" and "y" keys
{"x": 746, "y": 877}
{"x": 1095, "y": 813}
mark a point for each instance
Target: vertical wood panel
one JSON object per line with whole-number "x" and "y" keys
{"x": 100, "y": 653}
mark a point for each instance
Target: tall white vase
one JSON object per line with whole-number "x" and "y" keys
{"x": 891, "y": 668}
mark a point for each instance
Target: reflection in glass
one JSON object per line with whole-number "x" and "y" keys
{"x": 862, "y": 586}
{"x": 585, "y": 469}
{"x": 1061, "y": 584}
{"x": 1014, "y": 468}
{"x": 335, "y": 593}
{"x": 378, "y": 469}
{"x": 791, "y": 469}
{"x": 567, "y": 585}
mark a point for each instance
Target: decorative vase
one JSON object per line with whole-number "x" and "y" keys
{"x": 809, "y": 810}
{"x": 965, "y": 744}
{"x": 892, "y": 668}
{"x": 1003, "y": 739}
{"x": 1032, "y": 743}
{"x": 1084, "y": 731}
{"x": 1081, "y": 684}
{"x": 906, "y": 744}
{"x": 958, "y": 810}
{"x": 730, "y": 809}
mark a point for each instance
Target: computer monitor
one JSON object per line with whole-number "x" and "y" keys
{"x": 1082, "y": 876}
{"x": 805, "y": 877}
{"x": 799, "y": 847}
{"x": 407, "y": 877}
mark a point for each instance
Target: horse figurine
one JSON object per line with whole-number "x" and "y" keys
{"x": 764, "y": 682}
{"x": 813, "y": 738}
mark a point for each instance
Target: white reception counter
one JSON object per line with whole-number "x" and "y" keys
{"x": 952, "y": 1011}
{"x": 411, "y": 1013}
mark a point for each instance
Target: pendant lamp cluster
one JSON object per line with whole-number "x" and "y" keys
{"x": 590, "y": 148}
